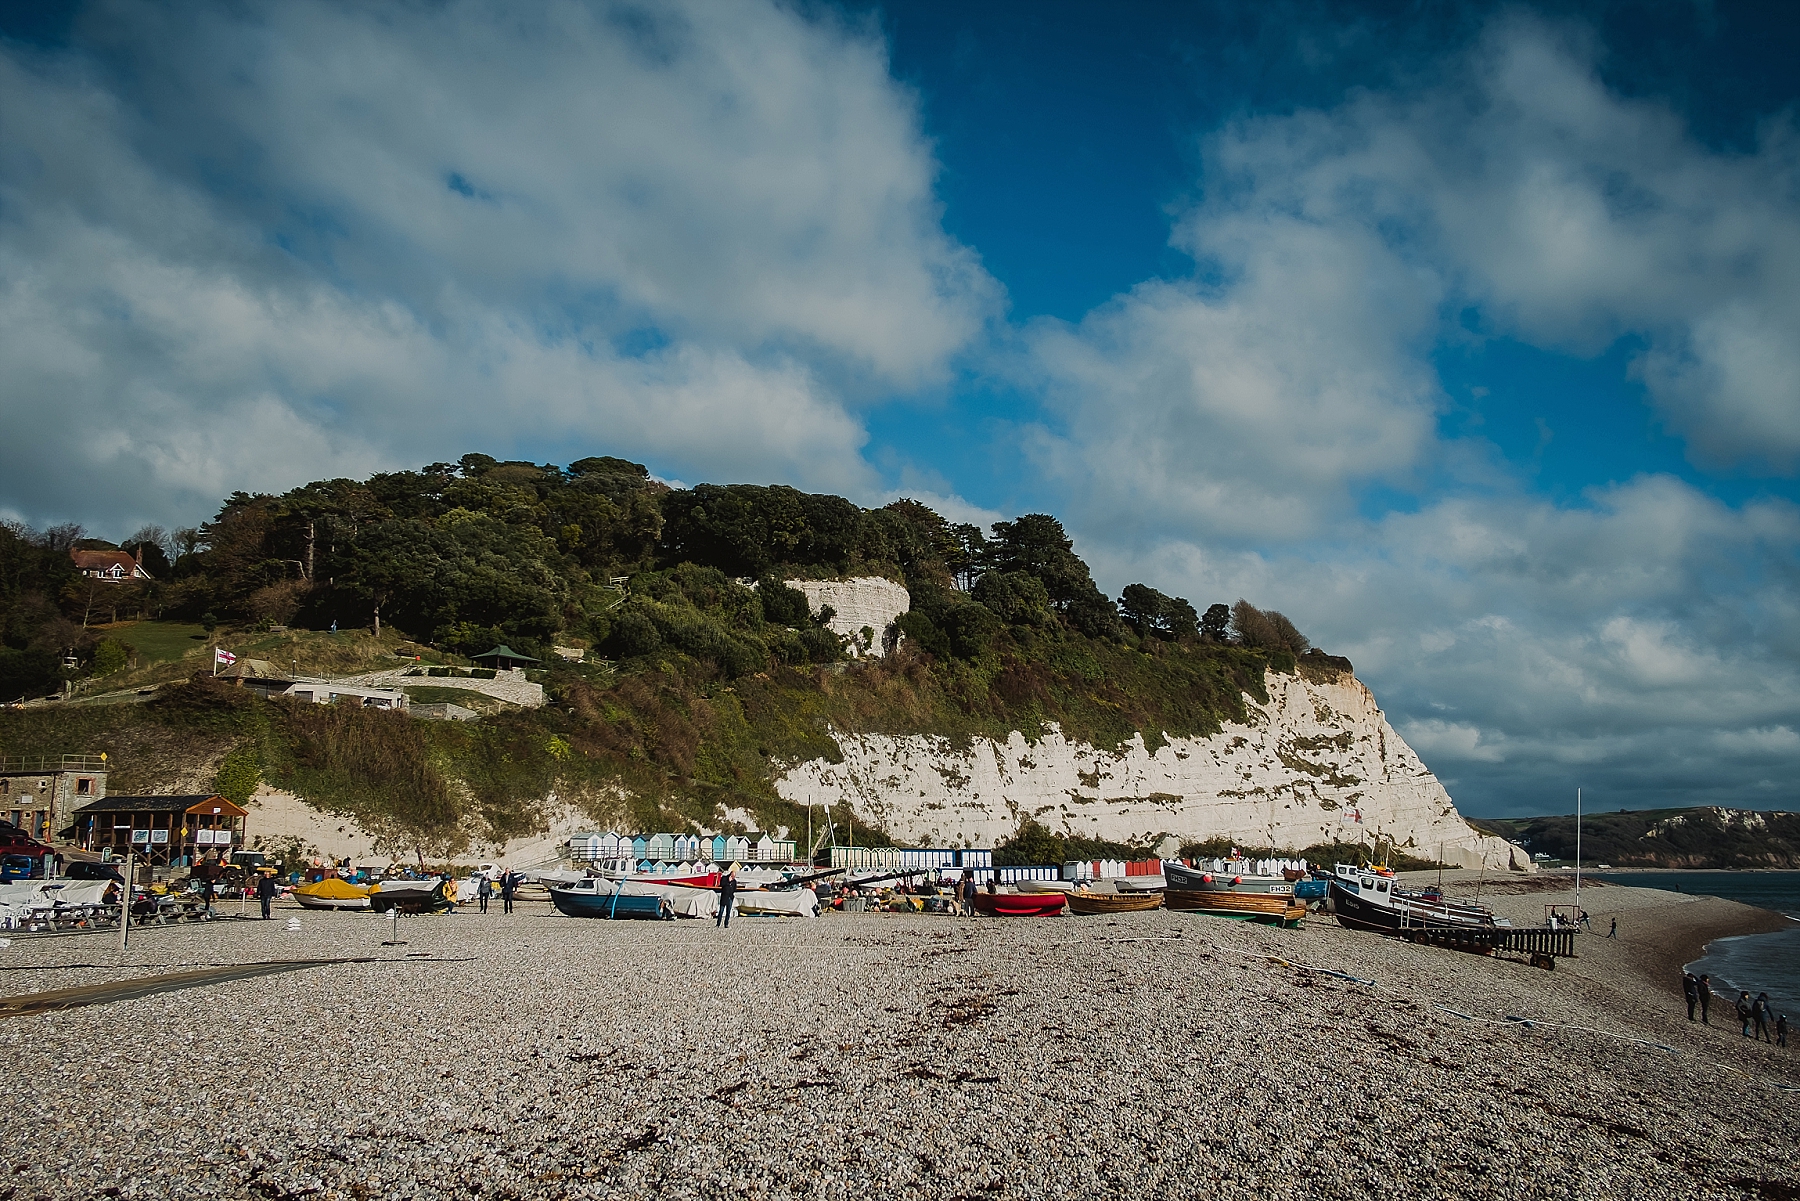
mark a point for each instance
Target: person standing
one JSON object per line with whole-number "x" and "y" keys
{"x": 265, "y": 891}
{"x": 1759, "y": 1015}
{"x": 1781, "y": 1030}
{"x": 1744, "y": 1009}
{"x": 484, "y": 890}
{"x": 1705, "y": 999}
{"x": 970, "y": 891}
{"x": 508, "y": 881}
{"x": 727, "y": 898}
{"x": 1690, "y": 988}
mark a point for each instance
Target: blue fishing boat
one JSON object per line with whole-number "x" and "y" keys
{"x": 601, "y": 898}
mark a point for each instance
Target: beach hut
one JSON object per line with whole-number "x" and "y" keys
{"x": 765, "y": 849}
{"x": 660, "y": 847}
{"x": 609, "y": 846}
{"x": 640, "y": 847}
{"x": 721, "y": 848}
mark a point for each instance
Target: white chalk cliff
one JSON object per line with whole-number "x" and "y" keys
{"x": 866, "y": 602}
{"x": 1319, "y": 762}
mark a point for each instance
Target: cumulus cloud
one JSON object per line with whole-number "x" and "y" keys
{"x": 246, "y": 247}
{"x": 1334, "y": 249}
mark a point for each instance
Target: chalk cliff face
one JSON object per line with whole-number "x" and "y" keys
{"x": 1318, "y": 762}
{"x": 865, "y": 602}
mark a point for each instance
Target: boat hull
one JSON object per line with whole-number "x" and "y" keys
{"x": 408, "y": 899}
{"x": 1020, "y": 904}
{"x": 1180, "y": 878}
{"x": 312, "y": 902}
{"x": 1092, "y": 903}
{"x": 645, "y": 907}
{"x": 1273, "y": 908}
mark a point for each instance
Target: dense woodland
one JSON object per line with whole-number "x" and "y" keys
{"x": 462, "y": 556}
{"x": 707, "y": 676}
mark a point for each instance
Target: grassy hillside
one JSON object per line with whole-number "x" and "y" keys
{"x": 1678, "y": 838}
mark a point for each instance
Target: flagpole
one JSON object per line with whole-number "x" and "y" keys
{"x": 215, "y": 659}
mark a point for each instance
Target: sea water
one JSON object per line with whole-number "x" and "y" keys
{"x": 1757, "y": 962}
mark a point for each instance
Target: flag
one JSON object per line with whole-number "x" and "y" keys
{"x": 222, "y": 656}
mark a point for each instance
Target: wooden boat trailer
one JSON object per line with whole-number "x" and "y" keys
{"x": 1541, "y": 943}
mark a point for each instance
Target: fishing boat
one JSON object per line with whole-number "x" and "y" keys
{"x": 1274, "y": 908}
{"x": 409, "y": 896}
{"x": 332, "y": 893}
{"x": 1371, "y": 899}
{"x": 1088, "y": 903}
{"x": 1062, "y": 886}
{"x": 607, "y": 899}
{"x": 1140, "y": 883}
{"x": 1020, "y": 904}
{"x": 1181, "y": 878}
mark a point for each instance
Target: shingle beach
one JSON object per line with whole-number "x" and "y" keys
{"x": 878, "y": 1056}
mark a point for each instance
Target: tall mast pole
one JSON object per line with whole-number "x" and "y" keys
{"x": 1578, "y": 854}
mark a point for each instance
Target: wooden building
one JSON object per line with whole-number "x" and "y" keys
{"x": 170, "y": 831}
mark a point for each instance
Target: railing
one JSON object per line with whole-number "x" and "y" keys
{"x": 52, "y": 763}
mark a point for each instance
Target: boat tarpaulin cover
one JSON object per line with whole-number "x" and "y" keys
{"x": 333, "y": 889}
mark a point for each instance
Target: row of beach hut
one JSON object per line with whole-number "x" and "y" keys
{"x": 673, "y": 848}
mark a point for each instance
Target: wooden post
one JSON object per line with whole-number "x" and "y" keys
{"x": 125, "y": 901}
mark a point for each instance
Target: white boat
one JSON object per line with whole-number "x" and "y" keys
{"x": 1045, "y": 885}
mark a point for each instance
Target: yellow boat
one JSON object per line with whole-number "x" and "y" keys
{"x": 332, "y": 893}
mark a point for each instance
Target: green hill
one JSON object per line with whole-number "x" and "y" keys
{"x": 1682, "y": 838}
{"x": 706, "y": 674}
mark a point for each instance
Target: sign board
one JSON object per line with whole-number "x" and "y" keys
{"x": 203, "y": 837}
{"x": 159, "y": 836}
{"x": 139, "y": 837}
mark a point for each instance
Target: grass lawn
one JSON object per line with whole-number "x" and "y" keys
{"x": 159, "y": 641}
{"x": 468, "y": 698}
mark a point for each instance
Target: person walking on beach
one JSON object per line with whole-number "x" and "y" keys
{"x": 1614, "y": 932}
{"x": 483, "y": 891}
{"x": 727, "y": 898}
{"x": 1781, "y": 1030}
{"x": 1744, "y": 1009}
{"x": 508, "y": 881}
{"x": 1690, "y": 988}
{"x": 1705, "y": 999}
{"x": 265, "y": 891}
{"x": 1759, "y": 1014}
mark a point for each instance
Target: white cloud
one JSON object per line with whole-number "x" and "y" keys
{"x": 293, "y": 240}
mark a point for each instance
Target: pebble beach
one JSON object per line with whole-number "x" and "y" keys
{"x": 1155, "y": 1054}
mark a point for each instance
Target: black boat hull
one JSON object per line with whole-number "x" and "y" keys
{"x": 1355, "y": 913}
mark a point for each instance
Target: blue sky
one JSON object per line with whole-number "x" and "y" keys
{"x": 1468, "y": 336}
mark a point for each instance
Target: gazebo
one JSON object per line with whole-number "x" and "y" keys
{"x": 503, "y": 657}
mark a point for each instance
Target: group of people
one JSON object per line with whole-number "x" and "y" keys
{"x": 1757, "y": 1017}
{"x": 506, "y": 886}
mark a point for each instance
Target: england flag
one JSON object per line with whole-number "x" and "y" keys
{"x": 223, "y": 657}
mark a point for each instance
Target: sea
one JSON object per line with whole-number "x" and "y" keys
{"x": 1758, "y": 962}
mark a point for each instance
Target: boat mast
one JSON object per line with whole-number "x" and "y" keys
{"x": 1577, "y": 854}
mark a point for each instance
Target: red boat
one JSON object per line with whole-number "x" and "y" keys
{"x": 1020, "y": 904}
